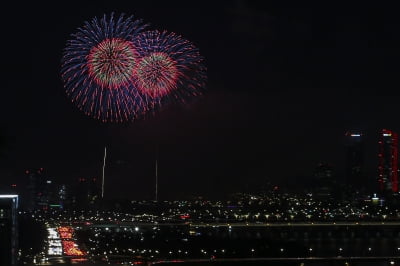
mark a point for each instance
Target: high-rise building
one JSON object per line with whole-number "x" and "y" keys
{"x": 324, "y": 181}
{"x": 388, "y": 161}
{"x": 355, "y": 159}
{"x": 63, "y": 195}
{"x": 40, "y": 189}
{"x": 87, "y": 192}
{"x": 8, "y": 229}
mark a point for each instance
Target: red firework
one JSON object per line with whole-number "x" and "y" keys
{"x": 111, "y": 62}
{"x": 156, "y": 74}
{"x": 169, "y": 67}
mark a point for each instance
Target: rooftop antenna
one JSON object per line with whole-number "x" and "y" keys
{"x": 104, "y": 166}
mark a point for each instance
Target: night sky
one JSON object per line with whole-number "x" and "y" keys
{"x": 284, "y": 85}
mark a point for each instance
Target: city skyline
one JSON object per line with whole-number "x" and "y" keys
{"x": 359, "y": 178}
{"x": 285, "y": 84}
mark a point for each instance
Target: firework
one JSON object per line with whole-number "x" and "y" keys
{"x": 98, "y": 66}
{"x": 169, "y": 67}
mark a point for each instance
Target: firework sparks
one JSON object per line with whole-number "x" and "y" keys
{"x": 97, "y": 69}
{"x": 169, "y": 66}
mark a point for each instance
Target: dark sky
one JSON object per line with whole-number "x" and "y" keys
{"x": 284, "y": 85}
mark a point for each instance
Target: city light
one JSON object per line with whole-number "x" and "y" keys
{"x": 286, "y": 163}
{"x": 54, "y": 242}
{"x": 5, "y": 196}
{"x": 70, "y": 248}
{"x": 65, "y": 232}
{"x": 109, "y": 234}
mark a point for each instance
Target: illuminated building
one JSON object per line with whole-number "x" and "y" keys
{"x": 8, "y": 229}
{"x": 63, "y": 195}
{"x": 388, "y": 161}
{"x": 355, "y": 159}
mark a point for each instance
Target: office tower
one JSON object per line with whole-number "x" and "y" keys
{"x": 324, "y": 182}
{"x": 40, "y": 189}
{"x": 87, "y": 192}
{"x": 388, "y": 161}
{"x": 63, "y": 195}
{"x": 355, "y": 154}
{"x": 8, "y": 229}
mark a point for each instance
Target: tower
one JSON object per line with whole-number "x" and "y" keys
{"x": 8, "y": 229}
{"x": 39, "y": 188}
{"x": 35, "y": 188}
{"x": 388, "y": 161}
{"x": 86, "y": 192}
{"x": 324, "y": 183}
{"x": 355, "y": 159}
{"x": 63, "y": 195}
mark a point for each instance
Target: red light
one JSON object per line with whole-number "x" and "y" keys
{"x": 79, "y": 260}
{"x": 27, "y": 172}
{"x": 14, "y": 185}
{"x": 70, "y": 248}
{"x": 65, "y": 232}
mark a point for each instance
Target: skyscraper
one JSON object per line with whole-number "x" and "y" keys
{"x": 63, "y": 195}
{"x": 324, "y": 181}
{"x": 35, "y": 181}
{"x": 388, "y": 161}
{"x": 355, "y": 159}
{"x": 8, "y": 229}
{"x": 87, "y": 192}
{"x": 40, "y": 189}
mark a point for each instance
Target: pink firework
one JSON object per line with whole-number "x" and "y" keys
{"x": 98, "y": 67}
{"x": 169, "y": 67}
{"x": 156, "y": 74}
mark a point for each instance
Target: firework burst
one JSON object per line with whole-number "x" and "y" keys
{"x": 169, "y": 67}
{"x": 98, "y": 68}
